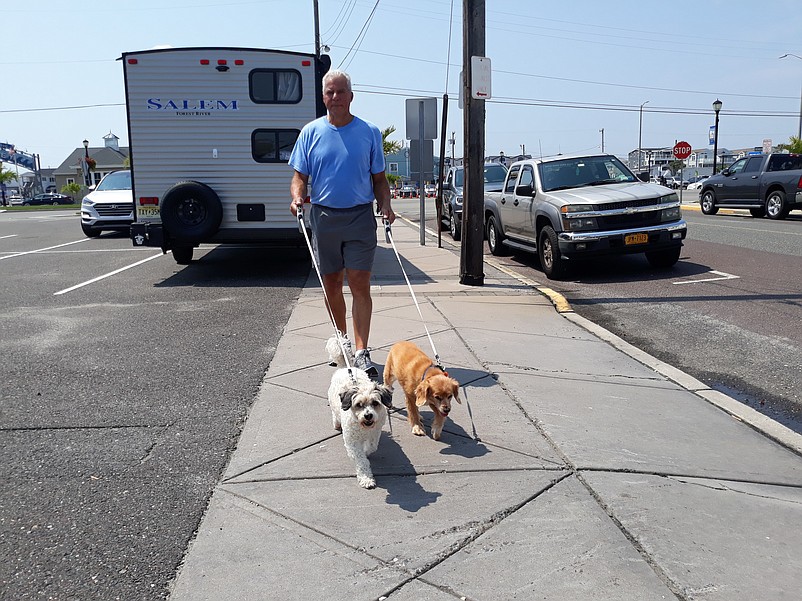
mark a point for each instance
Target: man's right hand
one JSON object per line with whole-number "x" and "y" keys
{"x": 296, "y": 205}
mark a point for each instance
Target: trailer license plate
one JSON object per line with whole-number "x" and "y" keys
{"x": 147, "y": 211}
{"x": 636, "y": 239}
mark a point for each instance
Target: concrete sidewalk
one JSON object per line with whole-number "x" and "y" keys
{"x": 576, "y": 467}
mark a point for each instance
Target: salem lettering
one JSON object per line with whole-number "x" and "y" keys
{"x": 169, "y": 104}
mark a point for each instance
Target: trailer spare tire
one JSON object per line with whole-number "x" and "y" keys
{"x": 191, "y": 212}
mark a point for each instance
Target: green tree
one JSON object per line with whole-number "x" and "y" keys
{"x": 389, "y": 147}
{"x": 5, "y": 177}
{"x": 794, "y": 145}
{"x": 71, "y": 189}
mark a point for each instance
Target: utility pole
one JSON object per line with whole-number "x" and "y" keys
{"x": 471, "y": 255}
{"x": 317, "y": 29}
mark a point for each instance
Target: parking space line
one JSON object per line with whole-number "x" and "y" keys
{"x": 9, "y": 236}
{"x": 721, "y": 274}
{"x": 38, "y": 250}
{"x": 106, "y": 275}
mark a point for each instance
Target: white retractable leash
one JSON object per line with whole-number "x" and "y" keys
{"x": 337, "y": 333}
{"x": 389, "y": 237}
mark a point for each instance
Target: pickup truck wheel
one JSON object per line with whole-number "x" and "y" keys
{"x": 548, "y": 250}
{"x": 494, "y": 237}
{"x": 663, "y": 259}
{"x": 454, "y": 226}
{"x": 761, "y": 212}
{"x": 182, "y": 255}
{"x": 776, "y": 207}
{"x": 191, "y": 212}
{"x": 708, "y": 202}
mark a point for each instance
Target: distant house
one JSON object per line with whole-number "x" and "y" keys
{"x": 110, "y": 157}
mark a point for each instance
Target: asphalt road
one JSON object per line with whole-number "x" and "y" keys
{"x": 729, "y": 313}
{"x": 122, "y": 399}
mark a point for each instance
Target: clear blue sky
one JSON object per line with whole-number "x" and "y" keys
{"x": 562, "y": 71}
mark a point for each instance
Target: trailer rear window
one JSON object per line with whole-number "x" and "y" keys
{"x": 273, "y": 145}
{"x": 275, "y": 86}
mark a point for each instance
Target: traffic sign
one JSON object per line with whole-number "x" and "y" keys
{"x": 682, "y": 150}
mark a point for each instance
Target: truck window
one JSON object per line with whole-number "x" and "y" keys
{"x": 753, "y": 164}
{"x": 275, "y": 86}
{"x": 737, "y": 166}
{"x": 784, "y": 162}
{"x": 527, "y": 177}
{"x": 273, "y": 145}
{"x": 509, "y": 187}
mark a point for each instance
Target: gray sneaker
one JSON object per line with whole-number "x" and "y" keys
{"x": 362, "y": 361}
{"x": 336, "y": 352}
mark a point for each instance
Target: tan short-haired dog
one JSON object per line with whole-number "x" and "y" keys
{"x": 424, "y": 384}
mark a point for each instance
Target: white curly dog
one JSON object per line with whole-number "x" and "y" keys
{"x": 359, "y": 408}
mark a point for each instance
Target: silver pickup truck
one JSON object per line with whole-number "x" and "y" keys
{"x": 765, "y": 184}
{"x": 568, "y": 208}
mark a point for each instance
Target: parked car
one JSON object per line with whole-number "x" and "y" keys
{"x": 48, "y": 198}
{"x": 494, "y": 174}
{"x": 698, "y": 183}
{"x": 676, "y": 183}
{"x": 767, "y": 185}
{"x": 570, "y": 208}
{"x": 109, "y": 206}
{"x": 430, "y": 190}
{"x": 408, "y": 192}
{"x": 15, "y": 200}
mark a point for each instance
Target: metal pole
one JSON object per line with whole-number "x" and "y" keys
{"x": 602, "y": 133}
{"x": 715, "y": 144}
{"x": 438, "y": 190}
{"x": 421, "y": 194}
{"x": 640, "y": 134}
{"x": 317, "y": 29}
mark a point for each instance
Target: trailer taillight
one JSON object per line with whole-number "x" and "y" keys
{"x": 239, "y": 62}
{"x": 148, "y": 200}
{"x": 204, "y": 61}
{"x": 132, "y": 61}
{"x": 222, "y": 61}
{"x": 306, "y": 63}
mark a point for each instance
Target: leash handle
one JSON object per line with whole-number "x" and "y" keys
{"x": 386, "y": 230}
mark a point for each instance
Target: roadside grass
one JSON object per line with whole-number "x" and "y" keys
{"x": 75, "y": 205}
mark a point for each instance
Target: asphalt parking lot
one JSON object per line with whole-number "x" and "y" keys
{"x": 127, "y": 380}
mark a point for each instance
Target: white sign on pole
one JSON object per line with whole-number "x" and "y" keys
{"x": 480, "y": 77}
{"x": 767, "y": 146}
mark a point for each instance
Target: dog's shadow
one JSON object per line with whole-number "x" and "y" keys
{"x": 454, "y": 440}
{"x": 399, "y": 477}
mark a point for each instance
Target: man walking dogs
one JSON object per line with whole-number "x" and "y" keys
{"x": 343, "y": 157}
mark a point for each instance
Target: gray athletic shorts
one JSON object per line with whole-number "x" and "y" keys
{"x": 343, "y": 238}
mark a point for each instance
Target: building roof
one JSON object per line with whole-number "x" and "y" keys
{"x": 105, "y": 158}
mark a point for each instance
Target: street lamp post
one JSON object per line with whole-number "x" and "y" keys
{"x": 717, "y": 108}
{"x": 640, "y": 132}
{"x": 799, "y": 131}
{"x": 86, "y": 163}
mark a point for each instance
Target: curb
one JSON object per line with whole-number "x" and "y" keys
{"x": 765, "y": 425}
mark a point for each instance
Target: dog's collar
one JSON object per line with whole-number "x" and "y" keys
{"x": 433, "y": 366}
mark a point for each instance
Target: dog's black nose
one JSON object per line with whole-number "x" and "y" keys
{"x": 446, "y": 410}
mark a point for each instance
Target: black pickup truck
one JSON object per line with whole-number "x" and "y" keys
{"x": 767, "y": 184}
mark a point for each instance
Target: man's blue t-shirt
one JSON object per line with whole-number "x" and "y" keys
{"x": 339, "y": 161}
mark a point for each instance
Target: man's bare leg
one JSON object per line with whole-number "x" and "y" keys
{"x": 362, "y": 308}
{"x": 333, "y": 284}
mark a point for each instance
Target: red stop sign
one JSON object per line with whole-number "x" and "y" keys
{"x": 682, "y": 150}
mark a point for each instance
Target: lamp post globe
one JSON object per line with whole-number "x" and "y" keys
{"x": 716, "y": 108}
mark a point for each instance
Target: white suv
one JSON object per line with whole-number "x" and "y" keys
{"x": 109, "y": 206}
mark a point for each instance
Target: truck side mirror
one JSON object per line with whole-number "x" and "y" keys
{"x": 644, "y": 177}
{"x": 524, "y": 190}
{"x": 725, "y": 172}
